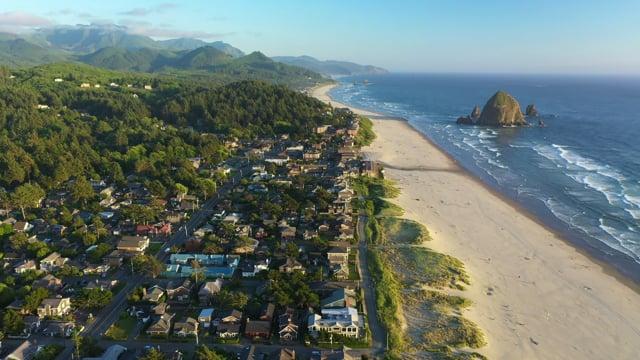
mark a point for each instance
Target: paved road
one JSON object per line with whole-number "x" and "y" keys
{"x": 378, "y": 332}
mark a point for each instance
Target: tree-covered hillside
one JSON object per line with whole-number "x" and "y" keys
{"x": 52, "y": 131}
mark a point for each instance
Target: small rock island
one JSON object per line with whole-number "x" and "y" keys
{"x": 502, "y": 110}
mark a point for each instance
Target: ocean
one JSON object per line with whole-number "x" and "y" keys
{"x": 579, "y": 175}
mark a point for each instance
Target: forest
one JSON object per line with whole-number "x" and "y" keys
{"x": 53, "y": 130}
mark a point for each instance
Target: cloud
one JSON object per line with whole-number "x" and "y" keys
{"x": 140, "y": 11}
{"x": 165, "y": 31}
{"x": 18, "y": 20}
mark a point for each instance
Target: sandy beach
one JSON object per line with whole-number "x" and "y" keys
{"x": 535, "y": 296}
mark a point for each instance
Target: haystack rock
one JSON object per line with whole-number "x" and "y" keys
{"x": 531, "y": 111}
{"x": 502, "y": 110}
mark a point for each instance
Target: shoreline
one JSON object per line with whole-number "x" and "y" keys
{"x": 545, "y": 285}
{"x": 609, "y": 269}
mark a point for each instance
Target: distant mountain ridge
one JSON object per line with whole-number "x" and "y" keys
{"x": 330, "y": 67}
{"x": 114, "y": 47}
{"x": 85, "y": 39}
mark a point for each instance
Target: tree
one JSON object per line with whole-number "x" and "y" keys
{"x": 231, "y": 299}
{"x": 92, "y": 299}
{"x": 5, "y": 200}
{"x": 207, "y": 187}
{"x": 34, "y": 298}
{"x": 154, "y": 354}
{"x": 147, "y": 265}
{"x": 27, "y": 196}
{"x": 81, "y": 190}
{"x": 19, "y": 241}
{"x": 205, "y": 353}
{"x": 181, "y": 190}
{"x": 197, "y": 270}
{"x": 12, "y": 323}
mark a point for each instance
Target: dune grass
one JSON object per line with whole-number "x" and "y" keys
{"x": 426, "y": 266}
{"x": 403, "y": 231}
{"x": 436, "y": 300}
{"x": 453, "y": 331}
{"x": 365, "y": 135}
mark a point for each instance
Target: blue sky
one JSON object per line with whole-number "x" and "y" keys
{"x": 523, "y": 36}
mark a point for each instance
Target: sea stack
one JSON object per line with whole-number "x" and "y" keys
{"x": 475, "y": 114}
{"x": 531, "y": 111}
{"x": 502, "y": 109}
{"x": 472, "y": 118}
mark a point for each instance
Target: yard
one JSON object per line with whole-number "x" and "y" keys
{"x": 121, "y": 329}
{"x": 154, "y": 247}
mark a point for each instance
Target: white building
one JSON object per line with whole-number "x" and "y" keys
{"x": 344, "y": 321}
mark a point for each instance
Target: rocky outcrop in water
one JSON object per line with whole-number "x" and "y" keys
{"x": 475, "y": 114}
{"x": 531, "y": 111}
{"x": 502, "y": 109}
{"x": 470, "y": 119}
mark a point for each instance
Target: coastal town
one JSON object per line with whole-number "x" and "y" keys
{"x": 268, "y": 265}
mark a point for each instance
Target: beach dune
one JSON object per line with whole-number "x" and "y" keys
{"x": 535, "y": 296}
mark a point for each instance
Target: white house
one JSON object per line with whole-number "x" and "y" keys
{"x": 344, "y": 321}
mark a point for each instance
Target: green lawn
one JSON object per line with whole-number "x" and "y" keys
{"x": 154, "y": 247}
{"x": 121, "y": 329}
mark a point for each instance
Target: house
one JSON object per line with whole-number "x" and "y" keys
{"x": 291, "y": 265}
{"x": 85, "y": 85}
{"x": 331, "y": 355}
{"x": 25, "y": 351}
{"x": 49, "y": 282}
{"x": 228, "y": 325}
{"x": 114, "y": 259}
{"x": 252, "y": 268}
{"x": 148, "y": 87}
{"x": 102, "y": 284}
{"x": 187, "y": 327}
{"x": 266, "y": 314}
{"x": 24, "y": 266}
{"x": 161, "y": 326}
{"x": 153, "y": 294}
{"x": 160, "y": 309}
{"x": 287, "y": 232}
{"x": 344, "y": 321}
{"x": 257, "y": 329}
{"x": 278, "y": 159}
{"x": 101, "y": 269}
{"x": 52, "y": 262}
{"x": 208, "y": 290}
{"x": 322, "y": 129}
{"x": 287, "y": 328}
{"x": 340, "y": 271}
{"x": 338, "y": 256}
{"x": 22, "y": 226}
{"x": 133, "y": 244}
{"x": 180, "y": 293}
{"x": 57, "y": 80}
{"x": 339, "y": 298}
{"x": 205, "y": 317}
{"x": 228, "y": 330}
{"x": 54, "y": 307}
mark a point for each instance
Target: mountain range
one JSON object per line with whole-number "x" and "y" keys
{"x": 114, "y": 47}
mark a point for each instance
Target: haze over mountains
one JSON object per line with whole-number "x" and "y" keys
{"x": 113, "y": 47}
{"x": 330, "y": 67}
